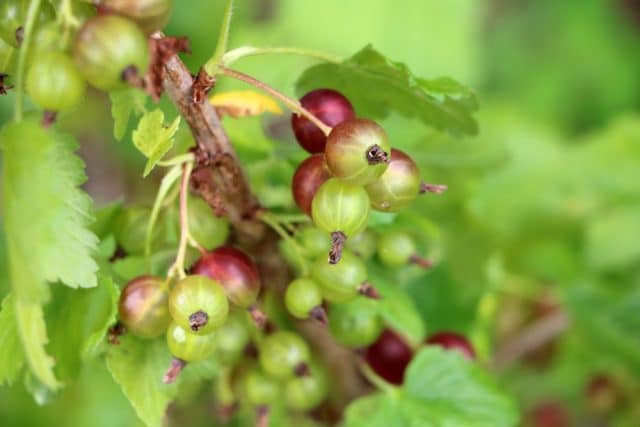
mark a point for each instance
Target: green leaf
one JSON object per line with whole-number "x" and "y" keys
{"x": 442, "y": 389}
{"x": 612, "y": 238}
{"x": 108, "y": 305}
{"x": 381, "y": 410}
{"x": 11, "y": 355}
{"x": 33, "y": 334}
{"x": 153, "y": 139}
{"x": 376, "y": 86}
{"x": 124, "y": 103}
{"x": 457, "y": 392}
{"x": 138, "y": 367}
{"x": 396, "y": 307}
{"x": 606, "y": 316}
{"x": 78, "y": 322}
{"x": 41, "y": 203}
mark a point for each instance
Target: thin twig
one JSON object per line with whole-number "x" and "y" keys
{"x": 178, "y": 266}
{"x": 536, "y": 335}
{"x": 291, "y": 103}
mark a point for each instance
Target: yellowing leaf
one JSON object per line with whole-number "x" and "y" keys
{"x": 242, "y": 103}
{"x": 153, "y": 139}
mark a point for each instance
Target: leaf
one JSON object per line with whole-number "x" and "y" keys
{"x": 242, "y": 103}
{"x": 153, "y": 139}
{"x": 11, "y": 355}
{"x": 138, "y": 367}
{"x": 457, "y": 392}
{"x": 606, "y": 316}
{"x": 612, "y": 238}
{"x": 124, "y": 103}
{"x": 78, "y": 321}
{"x": 40, "y": 206}
{"x": 376, "y": 86}
{"x": 111, "y": 293}
{"x": 33, "y": 334}
{"x": 442, "y": 389}
{"x": 397, "y": 308}
{"x": 42, "y": 203}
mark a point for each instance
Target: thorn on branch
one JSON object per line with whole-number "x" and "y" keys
{"x": 202, "y": 85}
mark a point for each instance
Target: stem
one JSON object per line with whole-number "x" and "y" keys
{"x": 291, "y": 103}
{"x": 374, "y": 379}
{"x": 211, "y": 66}
{"x": 242, "y": 52}
{"x": 272, "y": 221}
{"x": 183, "y": 158}
{"x": 178, "y": 266}
{"x": 168, "y": 180}
{"x": 225, "y": 176}
{"x": 32, "y": 12}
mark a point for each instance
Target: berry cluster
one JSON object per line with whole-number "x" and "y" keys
{"x": 351, "y": 170}
{"x": 108, "y": 49}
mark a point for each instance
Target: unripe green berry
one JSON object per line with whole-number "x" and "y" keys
{"x": 198, "y": 304}
{"x": 355, "y": 324}
{"x": 357, "y": 151}
{"x": 302, "y": 296}
{"x": 338, "y": 206}
{"x": 143, "y": 307}
{"x": 54, "y": 83}
{"x": 107, "y": 47}
{"x": 188, "y": 346}
{"x": 339, "y": 282}
{"x": 282, "y": 353}
{"x": 396, "y": 248}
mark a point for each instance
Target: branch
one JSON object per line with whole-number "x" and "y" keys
{"x": 536, "y": 335}
{"x": 218, "y": 171}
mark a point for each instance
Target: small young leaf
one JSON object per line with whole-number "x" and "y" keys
{"x": 124, "y": 103}
{"x": 138, "y": 367}
{"x": 153, "y": 139}
{"x": 376, "y": 85}
{"x": 11, "y": 355}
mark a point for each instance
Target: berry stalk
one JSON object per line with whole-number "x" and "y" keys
{"x": 291, "y": 103}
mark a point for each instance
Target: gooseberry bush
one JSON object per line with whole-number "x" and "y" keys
{"x": 282, "y": 314}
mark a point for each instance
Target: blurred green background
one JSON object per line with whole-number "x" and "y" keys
{"x": 542, "y": 218}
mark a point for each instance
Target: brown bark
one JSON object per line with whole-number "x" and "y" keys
{"x": 218, "y": 177}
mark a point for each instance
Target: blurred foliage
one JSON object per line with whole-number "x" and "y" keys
{"x": 544, "y": 204}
